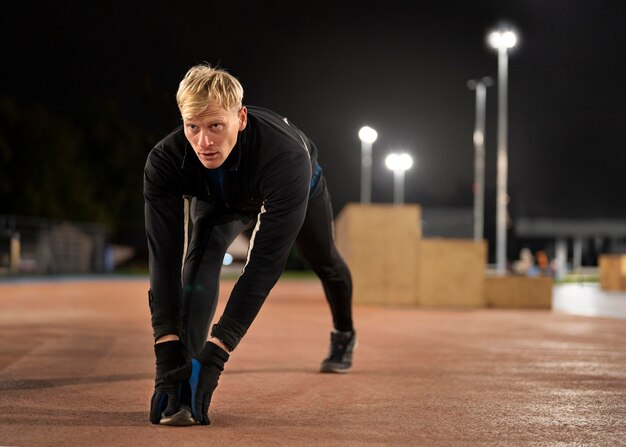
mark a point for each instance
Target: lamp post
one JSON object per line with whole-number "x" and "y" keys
{"x": 367, "y": 135}
{"x": 398, "y": 163}
{"x": 479, "y": 154}
{"x": 502, "y": 40}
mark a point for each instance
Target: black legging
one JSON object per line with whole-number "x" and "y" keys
{"x": 215, "y": 228}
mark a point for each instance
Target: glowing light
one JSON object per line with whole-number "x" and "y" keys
{"x": 399, "y": 162}
{"x": 502, "y": 39}
{"x": 367, "y": 135}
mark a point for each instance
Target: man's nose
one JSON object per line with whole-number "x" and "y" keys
{"x": 204, "y": 140}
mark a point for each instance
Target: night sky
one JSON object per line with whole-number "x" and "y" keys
{"x": 333, "y": 66}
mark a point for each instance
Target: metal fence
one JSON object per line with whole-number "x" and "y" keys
{"x": 39, "y": 246}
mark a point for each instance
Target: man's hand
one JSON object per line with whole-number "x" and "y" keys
{"x": 202, "y": 374}
{"x": 166, "y": 396}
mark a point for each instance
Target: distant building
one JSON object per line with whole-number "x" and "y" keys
{"x": 585, "y": 237}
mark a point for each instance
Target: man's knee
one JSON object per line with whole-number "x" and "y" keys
{"x": 332, "y": 268}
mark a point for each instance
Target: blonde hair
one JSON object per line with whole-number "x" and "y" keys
{"x": 204, "y": 85}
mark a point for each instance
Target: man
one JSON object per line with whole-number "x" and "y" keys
{"x": 231, "y": 169}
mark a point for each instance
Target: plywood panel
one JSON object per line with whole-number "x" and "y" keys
{"x": 451, "y": 273}
{"x": 612, "y": 272}
{"x": 519, "y": 292}
{"x": 379, "y": 244}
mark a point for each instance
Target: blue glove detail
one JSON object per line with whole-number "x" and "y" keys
{"x": 202, "y": 374}
{"x": 193, "y": 382}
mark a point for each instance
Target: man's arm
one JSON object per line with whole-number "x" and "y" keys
{"x": 285, "y": 186}
{"x": 164, "y": 218}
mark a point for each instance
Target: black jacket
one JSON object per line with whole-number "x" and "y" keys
{"x": 268, "y": 173}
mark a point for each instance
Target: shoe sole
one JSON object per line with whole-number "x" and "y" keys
{"x": 330, "y": 369}
{"x": 182, "y": 418}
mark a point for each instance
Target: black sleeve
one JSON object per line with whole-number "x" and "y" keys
{"x": 284, "y": 184}
{"x": 164, "y": 218}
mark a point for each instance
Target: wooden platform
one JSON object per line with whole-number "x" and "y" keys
{"x": 612, "y": 272}
{"x": 451, "y": 273}
{"x": 518, "y": 292}
{"x": 392, "y": 264}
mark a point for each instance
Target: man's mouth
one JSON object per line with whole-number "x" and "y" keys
{"x": 208, "y": 155}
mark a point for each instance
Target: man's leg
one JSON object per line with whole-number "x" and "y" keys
{"x": 214, "y": 229}
{"x": 316, "y": 245}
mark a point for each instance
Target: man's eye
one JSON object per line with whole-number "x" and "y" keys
{"x": 192, "y": 126}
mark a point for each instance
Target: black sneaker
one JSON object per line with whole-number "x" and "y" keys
{"x": 339, "y": 358}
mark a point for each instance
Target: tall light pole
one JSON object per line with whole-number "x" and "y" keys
{"x": 398, "y": 163}
{"x": 367, "y": 135}
{"x": 502, "y": 40}
{"x": 479, "y": 154}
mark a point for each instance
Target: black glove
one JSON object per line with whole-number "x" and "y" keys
{"x": 166, "y": 396}
{"x": 202, "y": 373}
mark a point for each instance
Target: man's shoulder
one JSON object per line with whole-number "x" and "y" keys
{"x": 263, "y": 112}
{"x": 275, "y": 133}
{"x": 267, "y": 120}
{"x": 169, "y": 152}
{"x": 172, "y": 144}
{"x": 175, "y": 140}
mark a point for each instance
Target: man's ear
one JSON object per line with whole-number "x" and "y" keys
{"x": 243, "y": 118}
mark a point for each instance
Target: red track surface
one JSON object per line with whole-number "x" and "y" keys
{"x": 76, "y": 368}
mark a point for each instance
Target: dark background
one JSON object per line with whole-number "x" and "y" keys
{"x": 88, "y": 88}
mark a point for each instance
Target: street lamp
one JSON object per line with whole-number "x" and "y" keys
{"x": 479, "y": 154}
{"x": 398, "y": 163}
{"x": 367, "y": 135}
{"x": 502, "y": 40}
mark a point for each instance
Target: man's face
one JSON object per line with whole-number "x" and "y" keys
{"x": 213, "y": 134}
